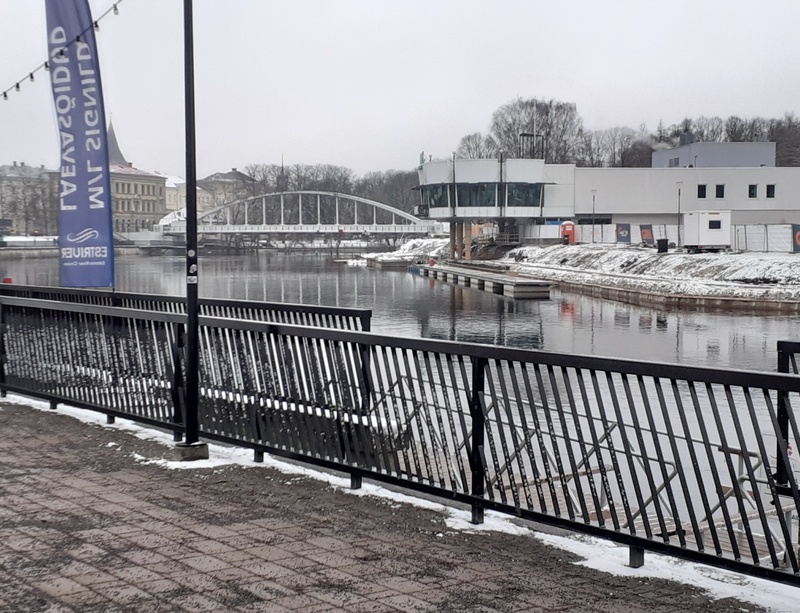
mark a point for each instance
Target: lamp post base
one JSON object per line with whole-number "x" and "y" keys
{"x": 188, "y": 452}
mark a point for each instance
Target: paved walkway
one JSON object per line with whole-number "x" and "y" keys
{"x": 86, "y": 525}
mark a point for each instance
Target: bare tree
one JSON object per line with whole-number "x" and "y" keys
{"x": 394, "y": 187}
{"x": 475, "y": 146}
{"x": 785, "y": 133}
{"x": 555, "y": 127}
{"x": 590, "y": 153}
{"x": 709, "y": 129}
{"x": 735, "y": 129}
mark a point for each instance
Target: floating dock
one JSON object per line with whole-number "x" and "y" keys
{"x": 388, "y": 264}
{"x": 506, "y": 285}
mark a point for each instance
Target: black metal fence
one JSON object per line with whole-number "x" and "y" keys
{"x": 342, "y": 318}
{"x": 679, "y": 460}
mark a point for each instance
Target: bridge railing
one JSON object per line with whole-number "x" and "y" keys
{"x": 674, "y": 459}
{"x": 343, "y": 318}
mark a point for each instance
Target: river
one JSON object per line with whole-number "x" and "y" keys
{"x": 410, "y": 305}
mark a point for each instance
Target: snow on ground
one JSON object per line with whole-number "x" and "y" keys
{"x": 597, "y": 553}
{"x": 412, "y": 250}
{"x": 768, "y": 276}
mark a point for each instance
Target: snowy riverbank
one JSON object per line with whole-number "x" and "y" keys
{"x": 771, "y": 277}
{"x": 746, "y": 276}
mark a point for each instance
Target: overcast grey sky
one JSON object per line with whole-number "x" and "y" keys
{"x": 368, "y": 84}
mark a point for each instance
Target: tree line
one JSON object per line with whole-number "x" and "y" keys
{"x": 553, "y": 130}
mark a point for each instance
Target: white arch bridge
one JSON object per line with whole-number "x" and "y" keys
{"x": 303, "y": 215}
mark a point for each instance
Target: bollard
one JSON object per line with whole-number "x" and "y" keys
{"x": 635, "y": 557}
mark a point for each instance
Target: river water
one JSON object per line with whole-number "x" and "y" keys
{"x": 409, "y": 305}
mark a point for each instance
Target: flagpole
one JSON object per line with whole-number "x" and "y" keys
{"x": 191, "y": 448}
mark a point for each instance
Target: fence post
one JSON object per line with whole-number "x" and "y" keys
{"x": 178, "y": 388}
{"x": 364, "y": 355}
{"x": 2, "y": 351}
{"x": 782, "y": 472}
{"x": 478, "y": 429}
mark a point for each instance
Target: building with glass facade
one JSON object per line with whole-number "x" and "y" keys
{"x": 526, "y": 198}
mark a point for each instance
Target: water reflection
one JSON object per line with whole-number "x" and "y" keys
{"x": 409, "y": 305}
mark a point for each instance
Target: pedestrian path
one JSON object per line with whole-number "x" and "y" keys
{"x": 92, "y": 521}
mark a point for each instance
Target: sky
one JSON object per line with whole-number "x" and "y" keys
{"x": 596, "y": 553}
{"x": 368, "y": 85}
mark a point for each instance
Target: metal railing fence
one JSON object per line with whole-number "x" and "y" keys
{"x": 344, "y": 318}
{"x": 674, "y": 459}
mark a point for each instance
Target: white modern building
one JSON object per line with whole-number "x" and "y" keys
{"x": 528, "y": 200}
{"x": 715, "y": 155}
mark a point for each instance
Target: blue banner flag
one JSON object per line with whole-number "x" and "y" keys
{"x": 85, "y": 231}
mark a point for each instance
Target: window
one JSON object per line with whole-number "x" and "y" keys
{"x": 674, "y": 162}
{"x": 720, "y": 192}
{"x": 524, "y": 194}
{"x": 476, "y": 194}
{"x": 752, "y": 191}
{"x": 714, "y": 224}
{"x": 438, "y": 195}
{"x": 701, "y": 191}
{"x": 770, "y": 191}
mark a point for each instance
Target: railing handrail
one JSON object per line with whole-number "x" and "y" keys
{"x": 701, "y": 374}
{"x": 112, "y": 297}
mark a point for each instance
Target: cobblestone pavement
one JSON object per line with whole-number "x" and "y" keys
{"x": 86, "y": 525}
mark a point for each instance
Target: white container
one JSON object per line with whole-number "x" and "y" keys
{"x": 707, "y": 230}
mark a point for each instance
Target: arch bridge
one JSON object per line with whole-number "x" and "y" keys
{"x": 304, "y": 214}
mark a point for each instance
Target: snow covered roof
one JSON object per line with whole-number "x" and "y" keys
{"x": 172, "y": 180}
{"x": 22, "y": 171}
{"x": 127, "y": 169}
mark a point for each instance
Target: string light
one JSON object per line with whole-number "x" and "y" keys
{"x": 46, "y": 65}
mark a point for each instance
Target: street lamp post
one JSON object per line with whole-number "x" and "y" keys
{"x": 594, "y": 194}
{"x": 191, "y": 448}
{"x": 680, "y": 185}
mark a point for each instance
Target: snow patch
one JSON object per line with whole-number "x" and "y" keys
{"x": 413, "y": 249}
{"x": 768, "y": 276}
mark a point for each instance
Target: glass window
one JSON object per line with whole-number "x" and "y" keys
{"x": 752, "y": 191}
{"x": 476, "y": 194}
{"x": 720, "y": 192}
{"x": 770, "y": 191}
{"x": 714, "y": 224}
{"x": 437, "y": 196}
{"x": 701, "y": 191}
{"x": 524, "y": 194}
